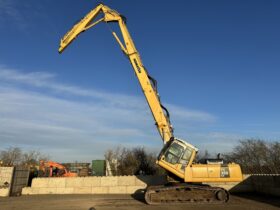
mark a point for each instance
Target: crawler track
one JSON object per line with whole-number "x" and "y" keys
{"x": 185, "y": 193}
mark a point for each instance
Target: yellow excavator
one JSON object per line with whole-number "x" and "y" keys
{"x": 177, "y": 156}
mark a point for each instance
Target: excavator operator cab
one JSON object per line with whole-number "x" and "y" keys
{"x": 176, "y": 154}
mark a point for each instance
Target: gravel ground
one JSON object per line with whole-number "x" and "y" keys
{"x": 99, "y": 202}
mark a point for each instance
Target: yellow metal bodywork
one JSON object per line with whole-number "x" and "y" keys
{"x": 189, "y": 173}
{"x": 196, "y": 172}
{"x": 204, "y": 172}
{"x": 212, "y": 173}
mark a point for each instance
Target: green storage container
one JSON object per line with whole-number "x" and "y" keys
{"x": 98, "y": 167}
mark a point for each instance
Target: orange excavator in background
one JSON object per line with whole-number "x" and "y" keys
{"x": 53, "y": 169}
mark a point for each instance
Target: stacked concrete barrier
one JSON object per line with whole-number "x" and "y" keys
{"x": 92, "y": 185}
{"x": 235, "y": 187}
{"x": 6, "y": 176}
{"x": 269, "y": 184}
{"x": 261, "y": 183}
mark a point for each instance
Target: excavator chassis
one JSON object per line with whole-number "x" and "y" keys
{"x": 185, "y": 193}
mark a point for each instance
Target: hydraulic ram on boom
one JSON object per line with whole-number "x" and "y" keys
{"x": 177, "y": 156}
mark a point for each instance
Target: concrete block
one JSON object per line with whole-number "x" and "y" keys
{"x": 117, "y": 190}
{"x": 47, "y": 190}
{"x": 82, "y": 190}
{"x": 242, "y": 188}
{"x": 150, "y": 180}
{"x": 30, "y": 191}
{"x": 26, "y": 190}
{"x": 263, "y": 180}
{"x": 266, "y": 190}
{"x": 4, "y": 179}
{"x": 258, "y": 188}
{"x": 141, "y": 181}
{"x": 134, "y": 189}
{"x": 109, "y": 181}
{"x": 4, "y": 192}
{"x": 126, "y": 180}
{"x": 6, "y": 175}
{"x": 40, "y": 182}
{"x": 35, "y": 191}
{"x": 100, "y": 190}
{"x": 74, "y": 181}
{"x": 276, "y": 181}
{"x": 57, "y": 182}
{"x": 68, "y": 190}
{"x": 275, "y": 191}
{"x": 6, "y": 170}
{"x": 91, "y": 182}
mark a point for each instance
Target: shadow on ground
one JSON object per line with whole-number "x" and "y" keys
{"x": 268, "y": 199}
{"x": 139, "y": 195}
{"x": 261, "y": 188}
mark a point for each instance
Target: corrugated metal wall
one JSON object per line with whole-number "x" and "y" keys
{"x": 20, "y": 180}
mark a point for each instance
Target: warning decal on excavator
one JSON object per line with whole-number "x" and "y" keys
{"x": 225, "y": 172}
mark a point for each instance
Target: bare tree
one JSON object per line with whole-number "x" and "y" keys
{"x": 274, "y": 157}
{"x": 135, "y": 161}
{"x": 127, "y": 163}
{"x": 14, "y": 156}
{"x": 11, "y": 156}
{"x": 111, "y": 156}
{"x": 201, "y": 155}
{"x": 32, "y": 157}
{"x": 256, "y": 156}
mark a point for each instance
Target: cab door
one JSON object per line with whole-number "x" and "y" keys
{"x": 175, "y": 159}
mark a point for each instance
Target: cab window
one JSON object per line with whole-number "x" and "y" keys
{"x": 186, "y": 156}
{"x": 173, "y": 153}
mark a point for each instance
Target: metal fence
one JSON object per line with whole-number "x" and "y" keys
{"x": 19, "y": 180}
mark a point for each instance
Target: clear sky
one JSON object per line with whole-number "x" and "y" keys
{"x": 217, "y": 64}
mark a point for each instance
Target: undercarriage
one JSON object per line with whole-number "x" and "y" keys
{"x": 185, "y": 193}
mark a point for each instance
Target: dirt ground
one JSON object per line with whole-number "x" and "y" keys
{"x": 99, "y": 202}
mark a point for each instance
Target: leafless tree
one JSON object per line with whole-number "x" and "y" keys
{"x": 256, "y": 156}
{"x": 274, "y": 157}
{"x": 111, "y": 156}
{"x": 202, "y": 155}
{"x": 135, "y": 161}
{"x": 14, "y": 156}
{"x": 32, "y": 157}
{"x": 11, "y": 156}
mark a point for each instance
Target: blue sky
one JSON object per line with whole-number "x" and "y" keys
{"x": 217, "y": 65}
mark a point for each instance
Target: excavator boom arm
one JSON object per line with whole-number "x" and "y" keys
{"x": 78, "y": 28}
{"x": 147, "y": 83}
{"x": 52, "y": 164}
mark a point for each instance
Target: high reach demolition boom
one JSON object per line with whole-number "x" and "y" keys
{"x": 148, "y": 84}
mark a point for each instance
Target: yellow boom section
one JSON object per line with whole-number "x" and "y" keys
{"x": 148, "y": 84}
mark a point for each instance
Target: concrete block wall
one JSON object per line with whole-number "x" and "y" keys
{"x": 235, "y": 187}
{"x": 92, "y": 185}
{"x": 130, "y": 184}
{"x": 266, "y": 184}
{"x": 6, "y": 175}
